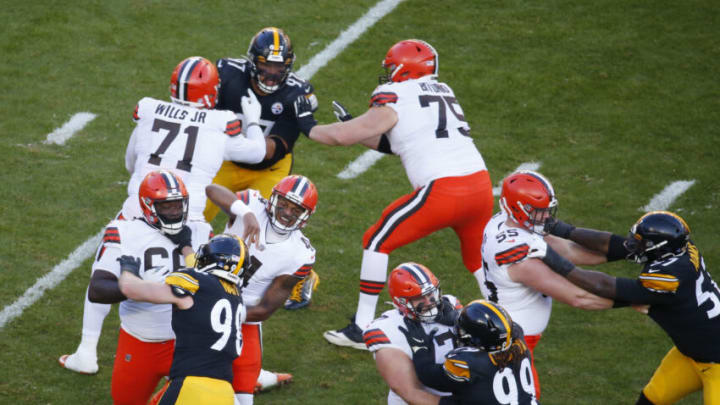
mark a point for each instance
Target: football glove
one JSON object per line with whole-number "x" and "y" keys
{"x": 130, "y": 264}
{"x": 251, "y": 108}
{"x": 447, "y": 314}
{"x": 182, "y": 238}
{"x": 304, "y": 114}
{"x": 416, "y": 336}
{"x": 341, "y": 112}
{"x": 558, "y": 228}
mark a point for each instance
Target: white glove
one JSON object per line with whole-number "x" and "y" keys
{"x": 251, "y": 108}
{"x": 156, "y": 274}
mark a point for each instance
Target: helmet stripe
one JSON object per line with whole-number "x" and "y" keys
{"x": 504, "y": 320}
{"x": 184, "y": 77}
{"x": 173, "y": 187}
{"x": 276, "y": 42}
{"x": 417, "y": 273}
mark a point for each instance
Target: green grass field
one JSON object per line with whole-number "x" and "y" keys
{"x": 616, "y": 100}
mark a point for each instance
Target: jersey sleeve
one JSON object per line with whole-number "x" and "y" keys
{"x": 182, "y": 283}
{"x": 305, "y": 260}
{"x": 383, "y": 95}
{"x": 109, "y": 250}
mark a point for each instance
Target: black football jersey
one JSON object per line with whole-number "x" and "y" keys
{"x": 278, "y": 111}
{"x": 684, "y": 300}
{"x": 207, "y": 335}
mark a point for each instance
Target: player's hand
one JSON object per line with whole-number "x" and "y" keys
{"x": 130, "y": 264}
{"x": 341, "y": 112}
{"x": 156, "y": 274}
{"x": 447, "y": 313}
{"x": 182, "y": 238}
{"x": 537, "y": 250}
{"x": 251, "y": 108}
{"x": 416, "y": 336}
{"x": 558, "y": 228}
{"x": 303, "y": 107}
{"x": 251, "y": 232}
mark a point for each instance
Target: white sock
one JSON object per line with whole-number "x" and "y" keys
{"x": 242, "y": 398}
{"x": 93, "y": 316}
{"x": 373, "y": 268}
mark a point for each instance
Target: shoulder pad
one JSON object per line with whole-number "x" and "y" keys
{"x": 656, "y": 281}
{"x": 182, "y": 283}
{"x": 457, "y": 363}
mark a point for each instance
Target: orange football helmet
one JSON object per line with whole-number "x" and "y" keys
{"x": 409, "y": 59}
{"x": 415, "y": 292}
{"x": 195, "y": 82}
{"x": 164, "y": 201}
{"x": 298, "y": 190}
{"x": 529, "y": 199}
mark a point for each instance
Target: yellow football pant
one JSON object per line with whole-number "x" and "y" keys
{"x": 198, "y": 391}
{"x": 679, "y": 375}
{"x": 237, "y": 179}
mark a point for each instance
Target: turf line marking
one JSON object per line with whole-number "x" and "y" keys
{"x": 77, "y": 122}
{"x": 348, "y": 36}
{"x": 50, "y": 280}
{"x": 360, "y": 164}
{"x": 525, "y": 166}
{"x": 664, "y": 199}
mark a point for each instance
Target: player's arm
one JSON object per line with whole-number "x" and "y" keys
{"x": 104, "y": 288}
{"x": 366, "y": 129}
{"x": 398, "y": 371}
{"x": 576, "y": 253}
{"x": 536, "y": 274}
{"x": 274, "y": 298}
{"x": 133, "y": 287}
{"x": 601, "y": 242}
{"x": 234, "y": 207}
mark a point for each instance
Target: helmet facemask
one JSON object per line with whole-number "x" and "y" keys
{"x": 424, "y": 307}
{"x": 287, "y": 215}
{"x": 273, "y": 73}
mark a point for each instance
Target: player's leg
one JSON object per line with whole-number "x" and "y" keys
{"x": 710, "y": 375}
{"x": 198, "y": 391}
{"x": 406, "y": 220}
{"x": 84, "y": 360}
{"x": 138, "y": 368}
{"x": 246, "y": 368}
{"x": 675, "y": 378}
{"x": 532, "y": 341}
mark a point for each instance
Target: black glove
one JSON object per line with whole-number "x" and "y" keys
{"x": 447, "y": 314}
{"x": 558, "y": 228}
{"x": 304, "y": 114}
{"x": 341, "y": 112}
{"x": 416, "y": 336}
{"x": 182, "y": 238}
{"x": 129, "y": 263}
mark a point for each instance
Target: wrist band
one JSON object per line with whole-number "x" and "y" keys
{"x": 253, "y": 123}
{"x": 239, "y": 209}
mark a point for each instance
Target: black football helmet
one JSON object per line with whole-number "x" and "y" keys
{"x": 224, "y": 256}
{"x": 272, "y": 58}
{"x": 657, "y": 235}
{"x": 485, "y": 325}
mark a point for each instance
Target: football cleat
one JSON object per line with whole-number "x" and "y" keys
{"x": 302, "y": 292}
{"x": 268, "y": 380}
{"x": 349, "y": 336}
{"x": 79, "y": 363}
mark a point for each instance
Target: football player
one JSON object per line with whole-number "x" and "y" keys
{"x": 491, "y": 366}
{"x": 418, "y": 118}
{"x": 280, "y": 259}
{"x": 416, "y": 296}
{"x": 267, "y": 72}
{"x": 146, "y": 339}
{"x": 191, "y": 139}
{"x": 682, "y": 296}
{"x": 207, "y": 310}
{"x": 525, "y": 286}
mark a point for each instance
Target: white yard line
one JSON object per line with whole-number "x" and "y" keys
{"x": 664, "y": 199}
{"x": 360, "y": 164}
{"x": 525, "y": 166}
{"x": 79, "y": 120}
{"x": 50, "y": 280}
{"x": 65, "y": 132}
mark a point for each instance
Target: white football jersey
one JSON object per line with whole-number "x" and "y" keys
{"x": 431, "y": 135}
{"x": 383, "y": 333}
{"x": 143, "y": 320}
{"x": 190, "y": 142}
{"x": 292, "y": 256}
{"x": 502, "y": 247}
